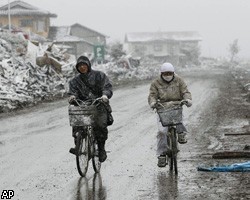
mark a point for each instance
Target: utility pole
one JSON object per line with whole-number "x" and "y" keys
{"x": 9, "y": 15}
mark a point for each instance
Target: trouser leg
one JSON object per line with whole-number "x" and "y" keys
{"x": 162, "y": 146}
{"x": 180, "y": 128}
{"x": 182, "y": 131}
{"x": 77, "y": 129}
{"x": 161, "y": 138}
{"x": 74, "y": 131}
{"x": 101, "y": 132}
{"x": 100, "y": 128}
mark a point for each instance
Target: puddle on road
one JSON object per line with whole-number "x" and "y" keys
{"x": 89, "y": 189}
{"x": 169, "y": 181}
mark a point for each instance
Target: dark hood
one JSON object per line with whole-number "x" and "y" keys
{"x": 83, "y": 59}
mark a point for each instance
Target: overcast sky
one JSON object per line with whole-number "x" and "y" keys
{"x": 219, "y": 22}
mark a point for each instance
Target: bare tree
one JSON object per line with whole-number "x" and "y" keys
{"x": 234, "y": 50}
{"x": 116, "y": 50}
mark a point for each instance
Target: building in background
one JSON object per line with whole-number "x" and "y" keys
{"x": 35, "y": 23}
{"x": 80, "y": 39}
{"x": 27, "y": 18}
{"x": 179, "y": 48}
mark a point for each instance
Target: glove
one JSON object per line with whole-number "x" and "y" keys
{"x": 187, "y": 102}
{"x": 71, "y": 99}
{"x": 105, "y": 98}
{"x": 153, "y": 104}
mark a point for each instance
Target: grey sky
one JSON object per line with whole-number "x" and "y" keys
{"x": 218, "y": 21}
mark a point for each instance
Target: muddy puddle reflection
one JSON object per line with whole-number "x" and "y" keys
{"x": 91, "y": 189}
{"x": 167, "y": 184}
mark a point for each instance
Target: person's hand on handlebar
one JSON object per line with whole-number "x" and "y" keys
{"x": 71, "y": 99}
{"x": 105, "y": 98}
{"x": 153, "y": 105}
{"x": 187, "y": 102}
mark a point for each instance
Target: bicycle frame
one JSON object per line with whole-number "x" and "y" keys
{"x": 86, "y": 145}
{"x": 172, "y": 142}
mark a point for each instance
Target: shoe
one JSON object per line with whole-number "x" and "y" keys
{"x": 73, "y": 151}
{"x": 167, "y": 153}
{"x": 102, "y": 155}
{"x": 182, "y": 139}
{"x": 162, "y": 161}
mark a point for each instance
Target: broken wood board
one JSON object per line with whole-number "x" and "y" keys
{"x": 231, "y": 154}
{"x": 237, "y": 134}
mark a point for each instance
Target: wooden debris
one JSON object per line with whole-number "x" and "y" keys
{"x": 231, "y": 154}
{"x": 22, "y": 81}
{"x": 47, "y": 60}
{"x": 246, "y": 147}
{"x": 237, "y": 134}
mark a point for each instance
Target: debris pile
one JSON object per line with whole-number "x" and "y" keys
{"x": 120, "y": 73}
{"x": 241, "y": 74}
{"x": 31, "y": 72}
{"x": 22, "y": 81}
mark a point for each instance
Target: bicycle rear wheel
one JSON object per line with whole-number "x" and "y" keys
{"x": 170, "y": 147}
{"x": 95, "y": 157}
{"x": 82, "y": 156}
{"x": 175, "y": 164}
{"x": 174, "y": 150}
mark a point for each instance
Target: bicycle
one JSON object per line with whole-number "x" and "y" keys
{"x": 82, "y": 116}
{"x": 170, "y": 118}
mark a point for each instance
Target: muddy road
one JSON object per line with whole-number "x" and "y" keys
{"x": 35, "y": 162}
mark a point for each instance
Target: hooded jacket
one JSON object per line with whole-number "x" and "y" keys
{"x": 175, "y": 90}
{"x": 91, "y": 85}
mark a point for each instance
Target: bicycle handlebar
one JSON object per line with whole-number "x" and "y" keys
{"x": 177, "y": 103}
{"x": 92, "y": 102}
{"x": 184, "y": 102}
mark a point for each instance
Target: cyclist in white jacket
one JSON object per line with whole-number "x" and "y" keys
{"x": 168, "y": 89}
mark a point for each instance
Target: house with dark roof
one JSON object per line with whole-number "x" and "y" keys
{"x": 80, "y": 38}
{"x": 26, "y": 17}
{"x": 174, "y": 47}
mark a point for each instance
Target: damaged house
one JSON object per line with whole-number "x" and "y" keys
{"x": 77, "y": 38}
{"x": 26, "y": 17}
{"x": 179, "y": 48}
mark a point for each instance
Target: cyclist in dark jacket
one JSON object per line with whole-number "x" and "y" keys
{"x": 91, "y": 84}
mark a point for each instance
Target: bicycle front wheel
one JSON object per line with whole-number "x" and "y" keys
{"x": 95, "y": 158}
{"x": 82, "y": 156}
{"x": 174, "y": 150}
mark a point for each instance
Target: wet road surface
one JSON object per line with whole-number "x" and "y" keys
{"x": 35, "y": 162}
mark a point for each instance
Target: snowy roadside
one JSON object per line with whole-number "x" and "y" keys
{"x": 24, "y": 83}
{"x": 231, "y": 117}
{"x": 30, "y": 73}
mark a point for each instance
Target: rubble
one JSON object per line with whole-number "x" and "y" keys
{"x": 31, "y": 71}
{"x": 23, "y": 82}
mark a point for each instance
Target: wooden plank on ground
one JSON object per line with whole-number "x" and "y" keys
{"x": 231, "y": 154}
{"x": 237, "y": 134}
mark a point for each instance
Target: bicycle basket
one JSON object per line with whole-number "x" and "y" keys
{"x": 170, "y": 116}
{"x": 81, "y": 116}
